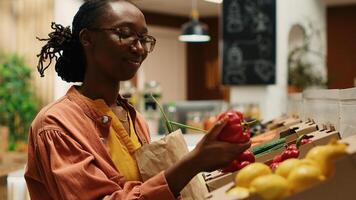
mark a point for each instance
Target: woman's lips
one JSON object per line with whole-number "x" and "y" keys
{"x": 136, "y": 63}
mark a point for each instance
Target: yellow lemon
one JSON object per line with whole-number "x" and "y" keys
{"x": 270, "y": 187}
{"x": 238, "y": 192}
{"x": 286, "y": 166}
{"x": 308, "y": 162}
{"x": 247, "y": 174}
{"x": 304, "y": 176}
{"x": 325, "y": 155}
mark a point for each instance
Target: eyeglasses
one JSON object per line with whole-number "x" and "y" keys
{"x": 129, "y": 37}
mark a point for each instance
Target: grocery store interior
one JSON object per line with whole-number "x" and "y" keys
{"x": 286, "y": 69}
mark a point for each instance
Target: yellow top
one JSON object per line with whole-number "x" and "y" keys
{"x": 121, "y": 144}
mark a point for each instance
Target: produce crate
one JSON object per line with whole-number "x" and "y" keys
{"x": 216, "y": 179}
{"x": 341, "y": 185}
{"x": 282, "y": 123}
{"x": 292, "y": 133}
{"x": 320, "y": 137}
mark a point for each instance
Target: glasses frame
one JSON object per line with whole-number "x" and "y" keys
{"x": 137, "y": 37}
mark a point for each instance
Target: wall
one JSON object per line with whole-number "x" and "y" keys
{"x": 341, "y": 26}
{"x": 203, "y": 66}
{"x": 273, "y": 98}
{"x": 166, "y": 64}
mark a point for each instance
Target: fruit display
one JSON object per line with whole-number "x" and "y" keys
{"x": 290, "y": 152}
{"x": 291, "y": 176}
{"x": 240, "y": 162}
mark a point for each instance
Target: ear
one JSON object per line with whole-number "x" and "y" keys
{"x": 85, "y": 37}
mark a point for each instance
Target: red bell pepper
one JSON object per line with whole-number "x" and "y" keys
{"x": 277, "y": 159}
{"x": 274, "y": 165}
{"x": 290, "y": 152}
{"x": 244, "y": 164}
{"x": 233, "y": 166}
{"x": 246, "y": 156}
{"x": 240, "y": 162}
{"x": 234, "y": 130}
{"x": 305, "y": 141}
{"x": 236, "y": 165}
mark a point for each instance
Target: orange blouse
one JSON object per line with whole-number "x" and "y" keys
{"x": 67, "y": 157}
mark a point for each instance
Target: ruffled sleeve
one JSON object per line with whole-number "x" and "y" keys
{"x": 70, "y": 172}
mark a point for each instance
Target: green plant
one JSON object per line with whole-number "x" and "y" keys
{"x": 17, "y": 104}
{"x": 300, "y": 67}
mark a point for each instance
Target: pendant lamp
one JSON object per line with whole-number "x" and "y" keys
{"x": 194, "y": 31}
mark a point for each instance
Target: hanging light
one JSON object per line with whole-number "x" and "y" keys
{"x": 194, "y": 31}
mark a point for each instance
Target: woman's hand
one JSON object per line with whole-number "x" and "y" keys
{"x": 211, "y": 154}
{"x": 208, "y": 155}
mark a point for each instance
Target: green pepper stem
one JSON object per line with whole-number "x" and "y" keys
{"x": 186, "y": 126}
{"x": 168, "y": 125}
{"x": 249, "y": 124}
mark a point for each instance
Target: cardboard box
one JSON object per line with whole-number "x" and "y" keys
{"x": 320, "y": 137}
{"x": 341, "y": 185}
{"x": 282, "y": 122}
{"x": 217, "y": 179}
{"x": 292, "y": 133}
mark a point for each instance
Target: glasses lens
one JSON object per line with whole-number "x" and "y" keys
{"x": 149, "y": 43}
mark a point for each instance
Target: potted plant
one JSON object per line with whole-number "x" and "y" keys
{"x": 300, "y": 67}
{"x": 17, "y": 104}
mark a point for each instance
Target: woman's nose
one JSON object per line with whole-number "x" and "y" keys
{"x": 138, "y": 47}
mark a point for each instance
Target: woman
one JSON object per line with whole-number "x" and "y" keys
{"x": 81, "y": 146}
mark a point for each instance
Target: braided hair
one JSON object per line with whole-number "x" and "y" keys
{"x": 63, "y": 45}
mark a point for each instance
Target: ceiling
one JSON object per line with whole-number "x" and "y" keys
{"x": 183, "y": 7}
{"x": 178, "y": 7}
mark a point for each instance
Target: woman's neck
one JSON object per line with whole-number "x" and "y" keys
{"x": 96, "y": 87}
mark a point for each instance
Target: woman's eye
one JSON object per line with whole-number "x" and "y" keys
{"x": 125, "y": 33}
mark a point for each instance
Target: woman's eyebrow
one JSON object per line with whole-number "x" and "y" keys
{"x": 131, "y": 26}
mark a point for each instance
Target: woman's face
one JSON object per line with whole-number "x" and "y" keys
{"x": 110, "y": 52}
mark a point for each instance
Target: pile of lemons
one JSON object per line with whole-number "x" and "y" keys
{"x": 291, "y": 176}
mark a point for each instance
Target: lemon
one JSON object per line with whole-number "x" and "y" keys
{"x": 238, "y": 192}
{"x": 270, "y": 187}
{"x": 304, "y": 176}
{"x": 325, "y": 155}
{"x": 308, "y": 162}
{"x": 247, "y": 174}
{"x": 286, "y": 166}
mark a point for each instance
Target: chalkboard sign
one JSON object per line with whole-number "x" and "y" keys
{"x": 249, "y": 42}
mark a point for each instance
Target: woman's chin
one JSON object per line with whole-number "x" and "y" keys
{"x": 127, "y": 76}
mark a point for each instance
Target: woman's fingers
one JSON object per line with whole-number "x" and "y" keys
{"x": 218, "y": 126}
{"x": 243, "y": 146}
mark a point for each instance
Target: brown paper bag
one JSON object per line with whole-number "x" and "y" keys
{"x": 159, "y": 155}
